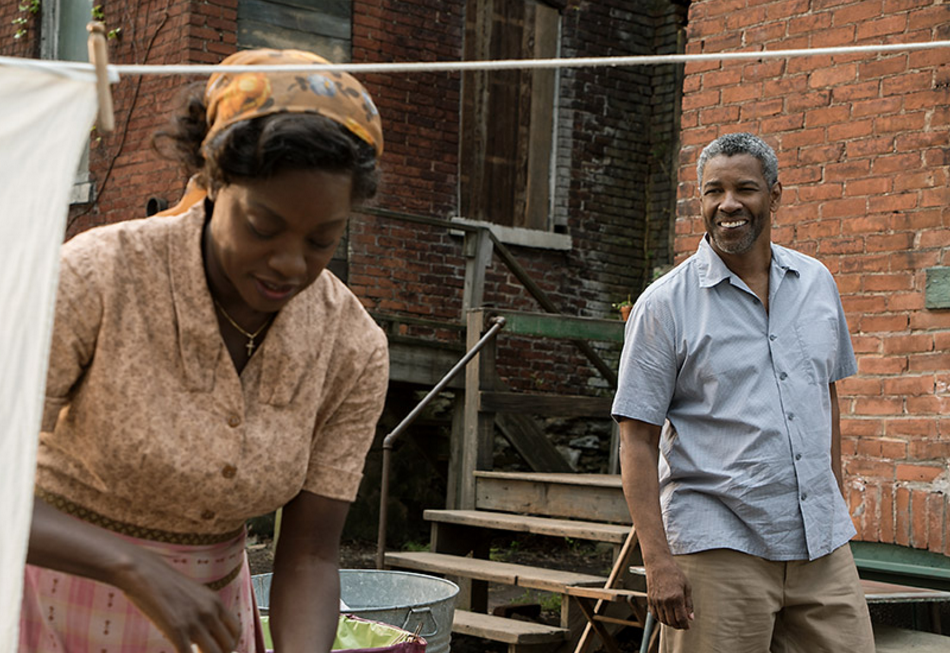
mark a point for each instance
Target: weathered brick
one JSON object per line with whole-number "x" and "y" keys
{"x": 902, "y": 524}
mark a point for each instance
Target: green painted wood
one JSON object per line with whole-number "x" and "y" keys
{"x": 937, "y": 293}
{"x": 901, "y": 564}
{"x": 562, "y": 327}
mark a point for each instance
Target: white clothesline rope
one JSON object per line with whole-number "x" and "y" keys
{"x": 505, "y": 64}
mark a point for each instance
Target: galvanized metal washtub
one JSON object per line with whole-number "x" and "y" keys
{"x": 415, "y": 602}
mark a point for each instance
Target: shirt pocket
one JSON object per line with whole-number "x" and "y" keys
{"x": 818, "y": 339}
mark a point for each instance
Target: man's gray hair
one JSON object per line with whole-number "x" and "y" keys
{"x": 740, "y": 143}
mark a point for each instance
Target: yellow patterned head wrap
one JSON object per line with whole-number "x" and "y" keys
{"x": 233, "y": 97}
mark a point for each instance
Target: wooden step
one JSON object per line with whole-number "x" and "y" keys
{"x": 503, "y": 521}
{"x": 506, "y": 573}
{"x": 509, "y": 631}
{"x": 591, "y": 497}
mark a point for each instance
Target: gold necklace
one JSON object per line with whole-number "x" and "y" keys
{"x": 250, "y": 336}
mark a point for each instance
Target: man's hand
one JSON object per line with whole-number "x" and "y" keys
{"x": 669, "y": 596}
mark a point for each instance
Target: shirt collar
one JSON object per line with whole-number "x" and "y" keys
{"x": 712, "y": 269}
{"x": 199, "y": 341}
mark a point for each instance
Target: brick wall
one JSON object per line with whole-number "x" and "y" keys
{"x": 123, "y": 169}
{"x": 615, "y": 133}
{"x": 864, "y": 145}
{"x": 604, "y": 163}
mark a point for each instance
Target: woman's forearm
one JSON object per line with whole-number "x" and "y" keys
{"x": 178, "y": 606}
{"x": 305, "y": 592}
{"x": 304, "y": 606}
{"x": 62, "y": 543}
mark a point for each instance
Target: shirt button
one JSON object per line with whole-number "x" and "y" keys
{"x": 234, "y": 421}
{"x": 804, "y": 496}
{"x": 791, "y": 416}
{"x": 772, "y": 336}
{"x": 207, "y": 514}
{"x": 783, "y": 376}
{"x": 798, "y": 456}
{"x": 228, "y": 471}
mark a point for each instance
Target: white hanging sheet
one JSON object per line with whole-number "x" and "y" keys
{"x": 45, "y": 120}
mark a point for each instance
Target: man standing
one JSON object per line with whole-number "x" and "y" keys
{"x": 730, "y": 442}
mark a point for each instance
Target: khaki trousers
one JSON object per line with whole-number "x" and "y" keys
{"x": 745, "y": 604}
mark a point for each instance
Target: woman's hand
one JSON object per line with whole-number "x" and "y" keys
{"x": 186, "y": 611}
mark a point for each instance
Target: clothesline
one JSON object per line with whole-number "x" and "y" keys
{"x": 503, "y": 64}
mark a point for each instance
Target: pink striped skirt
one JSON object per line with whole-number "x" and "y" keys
{"x": 70, "y": 614}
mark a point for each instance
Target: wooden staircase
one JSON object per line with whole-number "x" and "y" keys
{"x": 579, "y": 506}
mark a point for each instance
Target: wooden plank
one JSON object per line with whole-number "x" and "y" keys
{"x": 308, "y": 20}
{"x": 878, "y": 592}
{"x": 569, "y": 501}
{"x": 339, "y": 8}
{"x": 411, "y": 361}
{"x": 595, "y": 480}
{"x": 937, "y": 290}
{"x": 502, "y": 521}
{"x": 564, "y": 327}
{"x": 253, "y": 34}
{"x": 604, "y": 594}
{"x": 546, "y": 405}
{"x": 530, "y": 441}
{"x": 462, "y": 541}
{"x": 552, "y": 500}
{"x": 508, "y": 631}
{"x": 477, "y": 249}
{"x": 506, "y": 573}
{"x": 541, "y": 38}
{"x": 479, "y": 425}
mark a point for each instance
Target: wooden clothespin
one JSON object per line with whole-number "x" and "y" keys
{"x": 99, "y": 58}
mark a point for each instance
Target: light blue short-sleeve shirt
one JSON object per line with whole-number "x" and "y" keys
{"x": 743, "y": 397}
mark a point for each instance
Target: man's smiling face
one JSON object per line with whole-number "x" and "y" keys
{"x": 737, "y": 203}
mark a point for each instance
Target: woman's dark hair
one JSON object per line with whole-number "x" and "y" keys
{"x": 262, "y": 147}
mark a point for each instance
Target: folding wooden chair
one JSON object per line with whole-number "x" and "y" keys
{"x": 594, "y": 601}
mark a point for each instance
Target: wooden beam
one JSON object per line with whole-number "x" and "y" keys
{"x": 411, "y": 361}
{"x": 479, "y": 425}
{"x": 562, "y": 327}
{"x": 477, "y": 249}
{"x": 531, "y": 442}
{"x": 522, "y": 275}
{"x": 547, "y": 405}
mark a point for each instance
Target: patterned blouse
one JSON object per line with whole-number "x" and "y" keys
{"x": 147, "y": 422}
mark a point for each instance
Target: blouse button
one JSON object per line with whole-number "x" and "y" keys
{"x": 207, "y": 514}
{"x": 228, "y": 471}
{"x": 234, "y": 421}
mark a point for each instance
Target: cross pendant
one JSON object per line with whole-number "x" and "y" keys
{"x": 250, "y": 346}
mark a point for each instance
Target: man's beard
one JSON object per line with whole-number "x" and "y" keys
{"x": 750, "y": 234}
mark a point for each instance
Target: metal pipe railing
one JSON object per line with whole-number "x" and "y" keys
{"x": 497, "y": 324}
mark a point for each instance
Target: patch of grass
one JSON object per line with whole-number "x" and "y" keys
{"x": 549, "y": 602}
{"x": 504, "y": 553}
{"x": 415, "y": 546}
